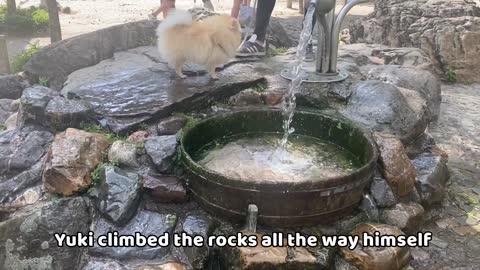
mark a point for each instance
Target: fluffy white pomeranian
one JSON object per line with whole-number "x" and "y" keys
{"x": 210, "y": 42}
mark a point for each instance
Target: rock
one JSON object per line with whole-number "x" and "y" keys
{"x": 11, "y": 86}
{"x": 197, "y": 223}
{"x": 28, "y": 235}
{"x": 117, "y": 194}
{"x": 138, "y": 137}
{"x": 43, "y": 106}
{"x": 161, "y": 151}
{"x": 369, "y": 207}
{"x": 446, "y": 30}
{"x": 391, "y": 258}
{"x": 171, "y": 125}
{"x": 406, "y": 216}
{"x": 272, "y": 98}
{"x": 387, "y": 108}
{"x": 11, "y": 122}
{"x": 382, "y": 192}
{"x": 21, "y": 149}
{"x": 432, "y": 176}
{"x": 33, "y": 103}
{"x": 167, "y": 266}
{"x": 342, "y": 264}
{"x": 12, "y": 189}
{"x": 200, "y": 13}
{"x": 123, "y": 153}
{"x": 145, "y": 89}
{"x": 62, "y": 113}
{"x": 165, "y": 189}
{"x": 56, "y": 61}
{"x": 73, "y": 156}
{"x": 246, "y": 98}
{"x": 412, "y": 78}
{"x": 145, "y": 222}
{"x": 27, "y": 197}
{"x": 259, "y": 257}
{"x": 424, "y": 143}
{"x": 395, "y": 165}
{"x": 278, "y": 37}
{"x": 6, "y": 109}
{"x": 103, "y": 264}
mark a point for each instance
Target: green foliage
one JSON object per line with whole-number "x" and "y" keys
{"x": 277, "y": 51}
{"x": 451, "y": 75}
{"x": 191, "y": 121}
{"x": 2, "y": 127}
{"x": 20, "y": 60}
{"x": 96, "y": 174}
{"x": 95, "y": 128}
{"x": 40, "y": 20}
{"x": 260, "y": 87}
{"x": 24, "y": 20}
{"x": 43, "y": 81}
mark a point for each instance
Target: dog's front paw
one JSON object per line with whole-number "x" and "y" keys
{"x": 182, "y": 76}
{"x": 214, "y": 76}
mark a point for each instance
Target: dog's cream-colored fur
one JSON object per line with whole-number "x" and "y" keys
{"x": 210, "y": 42}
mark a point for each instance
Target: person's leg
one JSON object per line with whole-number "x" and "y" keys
{"x": 255, "y": 46}
{"x": 167, "y": 5}
{"x": 262, "y": 19}
{"x": 236, "y": 8}
{"x": 154, "y": 14}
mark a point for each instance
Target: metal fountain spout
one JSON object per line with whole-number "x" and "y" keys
{"x": 325, "y": 68}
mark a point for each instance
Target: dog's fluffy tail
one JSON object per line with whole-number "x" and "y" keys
{"x": 175, "y": 17}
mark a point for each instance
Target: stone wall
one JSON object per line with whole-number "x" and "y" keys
{"x": 448, "y": 31}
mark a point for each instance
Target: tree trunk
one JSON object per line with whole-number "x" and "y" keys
{"x": 289, "y": 3}
{"x": 11, "y": 6}
{"x": 4, "y": 61}
{"x": 54, "y": 21}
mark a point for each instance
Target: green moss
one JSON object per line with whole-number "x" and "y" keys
{"x": 260, "y": 87}
{"x": 97, "y": 172}
{"x": 95, "y": 128}
{"x": 20, "y": 60}
{"x": 451, "y": 75}
{"x": 191, "y": 121}
{"x": 43, "y": 81}
{"x": 277, "y": 51}
{"x": 2, "y": 127}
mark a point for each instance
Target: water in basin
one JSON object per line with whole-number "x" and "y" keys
{"x": 259, "y": 157}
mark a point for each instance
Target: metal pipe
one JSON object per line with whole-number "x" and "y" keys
{"x": 336, "y": 32}
{"x": 325, "y": 12}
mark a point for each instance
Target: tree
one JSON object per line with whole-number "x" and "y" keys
{"x": 54, "y": 21}
{"x": 11, "y": 6}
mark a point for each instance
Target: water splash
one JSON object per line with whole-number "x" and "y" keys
{"x": 369, "y": 207}
{"x": 289, "y": 100}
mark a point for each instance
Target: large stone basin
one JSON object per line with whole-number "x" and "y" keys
{"x": 286, "y": 203}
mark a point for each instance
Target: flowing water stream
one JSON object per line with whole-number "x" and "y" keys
{"x": 289, "y": 100}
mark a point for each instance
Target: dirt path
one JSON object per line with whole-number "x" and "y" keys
{"x": 91, "y": 15}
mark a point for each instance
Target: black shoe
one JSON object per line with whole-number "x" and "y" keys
{"x": 251, "y": 47}
{"x": 309, "y": 54}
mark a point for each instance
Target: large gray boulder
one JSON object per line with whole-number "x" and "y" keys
{"x": 56, "y": 61}
{"x": 11, "y": 86}
{"x": 448, "y": 31}
{"x": 387, "y": 108}
{"x": 28, "y": 240}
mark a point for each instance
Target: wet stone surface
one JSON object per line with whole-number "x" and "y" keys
{"x": 145, "y": 88}
{"x": 146, "y": 223}
{"x": 117, "y": 194}
{"x": 27, "y": 236}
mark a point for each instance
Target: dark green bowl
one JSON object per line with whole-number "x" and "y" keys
{"x": 283, "y": 204}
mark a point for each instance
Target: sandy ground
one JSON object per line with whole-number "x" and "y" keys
{"x": 90, "y": 15}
